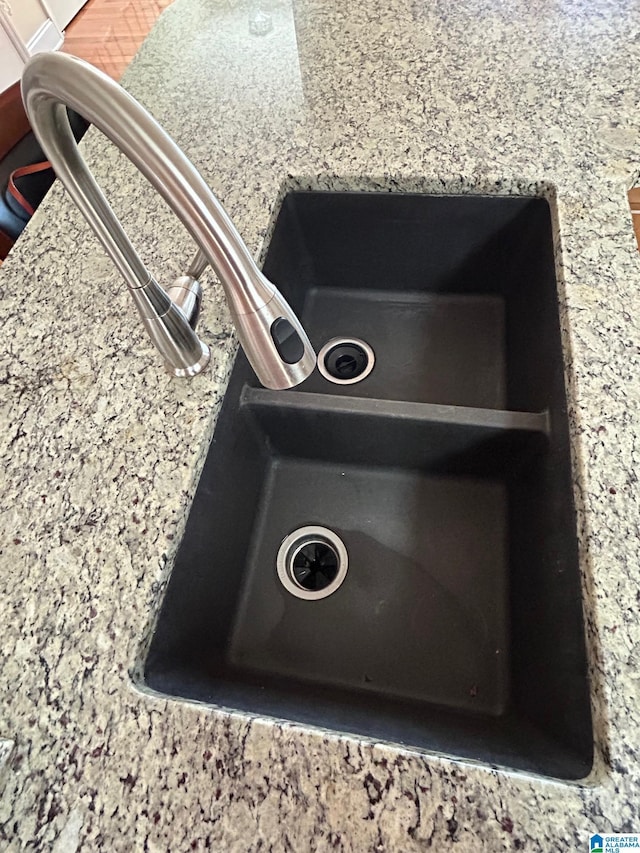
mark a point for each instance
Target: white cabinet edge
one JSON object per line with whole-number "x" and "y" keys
{"x": 12, "y": 62}
{"x": 15, "y": 52}
{"x": 48, "y": 37}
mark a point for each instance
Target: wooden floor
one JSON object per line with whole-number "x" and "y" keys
{"x": 108, "y": 33}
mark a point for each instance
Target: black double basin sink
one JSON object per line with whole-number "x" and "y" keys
{"x": 445, "y": 474}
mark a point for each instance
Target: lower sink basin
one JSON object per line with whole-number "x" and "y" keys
{"x": 454, "y": 619}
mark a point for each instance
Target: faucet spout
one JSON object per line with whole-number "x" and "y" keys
{"x": 271, "y": 335}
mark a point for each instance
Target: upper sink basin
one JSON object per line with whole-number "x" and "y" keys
{"x": 445, "y": 474}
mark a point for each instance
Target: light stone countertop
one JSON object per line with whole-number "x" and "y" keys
{"x": 101, "y": 450}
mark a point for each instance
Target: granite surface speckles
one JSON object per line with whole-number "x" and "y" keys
{"x": 100, "y": 450}
{"x": 6, "y": 747}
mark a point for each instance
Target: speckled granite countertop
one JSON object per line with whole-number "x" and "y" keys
{"x": 101, "y": 450}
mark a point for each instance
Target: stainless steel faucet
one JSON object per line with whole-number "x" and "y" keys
{"x": 271, "y": 335}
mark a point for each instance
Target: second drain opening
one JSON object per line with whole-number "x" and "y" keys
{"x": 314, "y": 565}
{"x": 312, "y": 562}
{"x": 345, "y": 360}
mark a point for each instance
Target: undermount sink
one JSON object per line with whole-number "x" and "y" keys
{"x": 445, "y": 473}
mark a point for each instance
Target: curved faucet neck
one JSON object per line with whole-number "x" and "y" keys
{"x": 51, "y": 82}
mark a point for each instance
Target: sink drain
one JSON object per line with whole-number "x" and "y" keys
{"x": 346, "y": 360}
{"x": 312, "y": 562}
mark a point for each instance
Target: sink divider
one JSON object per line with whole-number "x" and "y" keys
{"x": 498, "y": 419}
{"x": 356, "y": 430}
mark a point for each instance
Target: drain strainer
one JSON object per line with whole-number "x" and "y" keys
{"x": 346, "y": 360}
{"x": 312, "y": 562}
